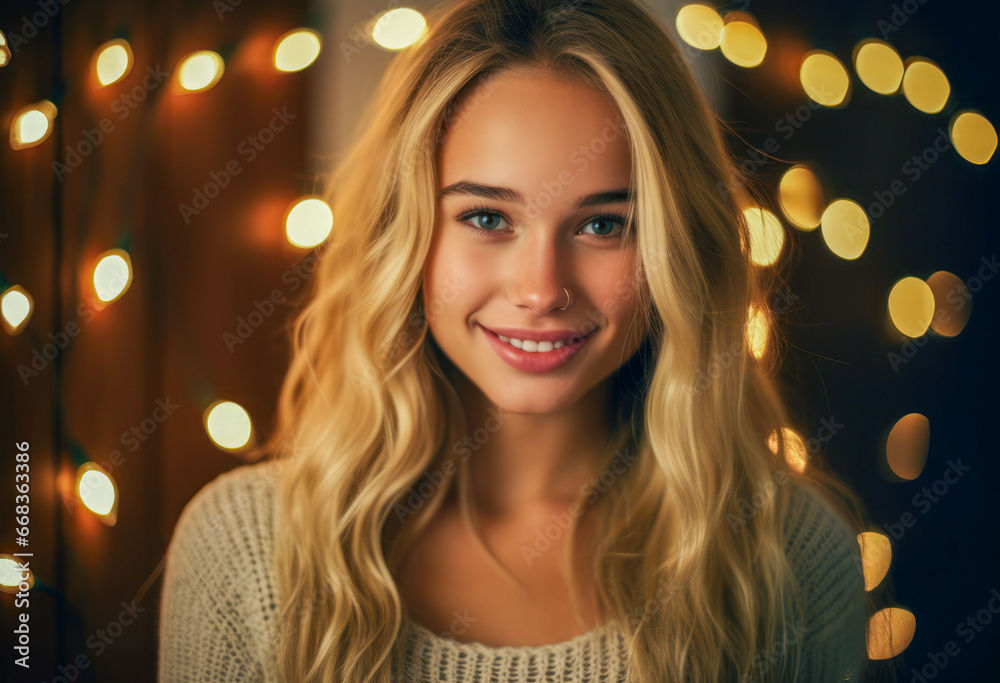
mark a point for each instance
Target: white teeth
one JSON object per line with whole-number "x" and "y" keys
{"x": 533, "y": 346}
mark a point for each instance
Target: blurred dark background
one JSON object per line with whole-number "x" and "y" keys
{"x": 127, "y": 385}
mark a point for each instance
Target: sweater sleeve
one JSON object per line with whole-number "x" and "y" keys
{"x": 214, "y": 598}
{"x": 825, "y": 555}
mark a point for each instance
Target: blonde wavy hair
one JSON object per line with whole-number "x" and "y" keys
{"x": 368, "y": 417}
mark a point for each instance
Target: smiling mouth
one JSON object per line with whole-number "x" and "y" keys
{"x": 536, "y": 356}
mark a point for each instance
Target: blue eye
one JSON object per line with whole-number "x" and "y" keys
{"x": 608, "y": 222}
{"x": 481, "y": 220}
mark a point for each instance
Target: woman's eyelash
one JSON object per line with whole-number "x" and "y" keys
{"x": 464, "y": 219}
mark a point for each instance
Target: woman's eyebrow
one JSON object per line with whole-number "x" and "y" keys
{"x": 506, "y": 194}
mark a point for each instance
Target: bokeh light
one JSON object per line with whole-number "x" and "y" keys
{"x": 767, "y": 237}
{"x": 876, "y": 556}
{"x": 878, "y": 66}
{"x": 824, "y": 78}
{"x": 308, "y": 222}
{"x": 296, "y": 50}
{"x": 801, "y": 197}
{"x": 889, "y": 631}
{"x": 112, "y": 275}
{"x": 112, "y": 61}
{"x": 399, "y": 28}
{"x": 952, "y": 303}
{"x": 228, "y": 425}
{"x": 32, "y": 124}
{"x": 16, "y": 307}
{"x": 925, "y": 86}
{"x": 200, "y": 70}
{"x": 974, "y": 137}
{"x": 907, "y": 445}
{"x": 911, "y": 306}
{"x": 756, "y": 331}
{"x": 743, "y": 44}
{"x": 699, "y": 26}
{"x": 845, "y": 228}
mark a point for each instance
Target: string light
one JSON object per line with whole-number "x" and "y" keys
{"x": 741, "y": 42}
{"x": 200, "y": 70}
{"x": 974, "y": 137}
{"x": 907, "y": 445}
{"x": 112, "y": 61}
{"x": 399, "y": 28}
{"x": 876, "y": 555}
{"x": 911, "y": 306}
{"x": 889, "y": 631}
{"x": 98, "y": 492}
{"x": 845, "y": 228}
{"x": 767, "y": 237}
{"x": 32, "y": 124}
{"x": 925, "y": 86}
{"x": 699, "y": 26}
{"x": 228, "y": 425}
{"x": 878, "y": 65}
{"x": 4, "y": 50}
{"x": 796, "y": 453}
{"x": 12, "y": 576}
{"x": 308, "y": 222}
{"x": 801, "y": 197}
{"x": 112, "y": 275}
{"x": 16, "y": 307}
{"x": 296, "y": 50}
{"x": 824, "y": 78}
{"x": 756, "y": 332}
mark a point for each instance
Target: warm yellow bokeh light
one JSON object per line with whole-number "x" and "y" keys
{"x": 756, "y": 332}
{"x": 699, "y": 26}
{"x": 889, "y": 631}
{"x": 112, "y": 275}
{"x": 296, "y": 50}
{"x": 399, "y": 28}
{"x": 4, "y": 50}
{"x": 200, "y": 70}
{"x": 907, "y": 445}
{"x": 845, "y": 228}
{"x": 96, "y": 489}
{"x": 32, "y": 124}
{"x": 974, "y": 137}
{"x": 911, "y": 306}
{"x": 767, "y": 237}
{"x": 112, "y": 62}
{"x": 12, "y": 574}
{"x": 796, "y": 452}
{"x": 925, "y": 86}
{"x": 801, "y": 197}
{"x": 16, "y": 307}
{"x": 228, "y": 424}
{"x": 952, "y": 303}
{"x": 876, "y": 556}
{"x": 824, "y": 78}
{"x": 309, "y": 222}
{"x": 879, "y": 66}
{"x": 743, "y": 44}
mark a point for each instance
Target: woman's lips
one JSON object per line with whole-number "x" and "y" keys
{"x": 540, "y": 361}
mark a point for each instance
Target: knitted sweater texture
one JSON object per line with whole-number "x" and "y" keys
{"x": 218, "y": 603}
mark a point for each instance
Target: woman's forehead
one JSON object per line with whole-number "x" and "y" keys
{"x": 532, "y": 132}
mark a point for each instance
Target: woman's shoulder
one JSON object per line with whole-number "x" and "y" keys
{"x": 823, "y": 551}
{"x": 233, "y": 510}
{"x": 815, "y": 531}
{"x": 218, "y": 597}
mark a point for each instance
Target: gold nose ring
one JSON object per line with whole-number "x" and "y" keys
{"x": 569, "y": 299}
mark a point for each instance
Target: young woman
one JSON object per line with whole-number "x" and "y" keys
{"x": 522, "y": 437}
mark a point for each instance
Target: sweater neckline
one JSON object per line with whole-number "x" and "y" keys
{"x": 424, "y": 637}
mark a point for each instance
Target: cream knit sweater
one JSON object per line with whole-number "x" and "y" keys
{"x": 218, "y": 603}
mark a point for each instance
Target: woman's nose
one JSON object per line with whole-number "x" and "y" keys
{"x": 538, "y": 277}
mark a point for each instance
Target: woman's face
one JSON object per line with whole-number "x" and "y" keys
{"x": 542, "y": 167}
